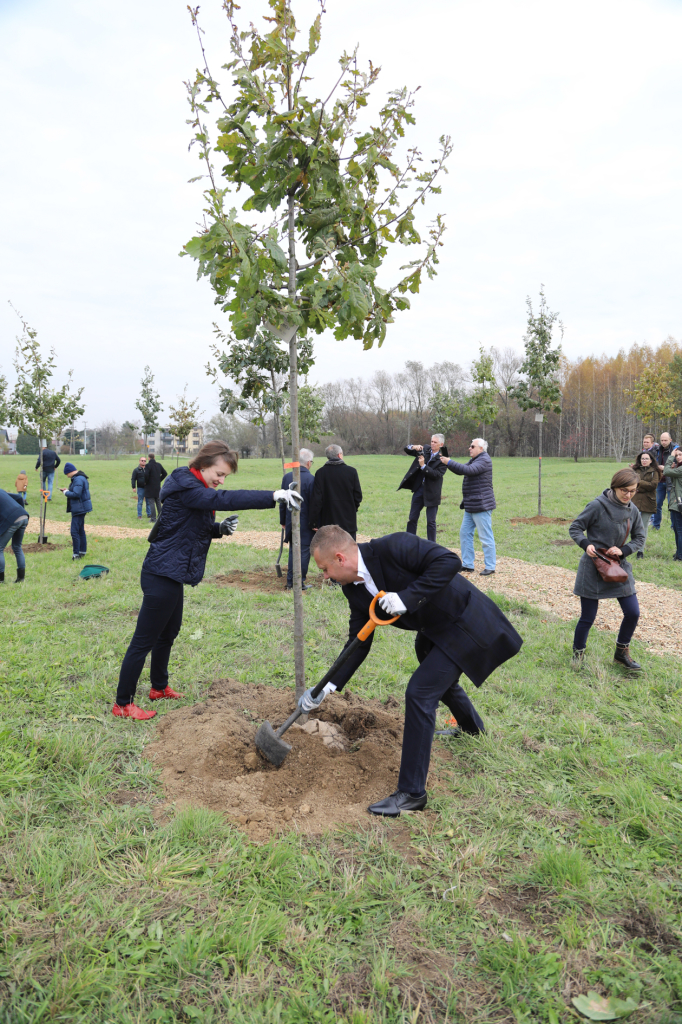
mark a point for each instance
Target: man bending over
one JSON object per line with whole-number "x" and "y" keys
{"x": 458, "y": 630}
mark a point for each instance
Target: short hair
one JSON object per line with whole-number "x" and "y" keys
{"x": 330, "y": 537}
{"x": 439, "y": 437}
{"x": 333, "y": 449}
{"x": 482, "y": 442}
{"x": 209, "y": 454}
{"x": 624, "y": 478}
{"x": 305, "y": 455}
{"x": 649, "y": 435}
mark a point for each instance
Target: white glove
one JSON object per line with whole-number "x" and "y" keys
{"x": 292, "y": 499}
{"x": 392, "y": 604}
{"x": 308, "y": 703}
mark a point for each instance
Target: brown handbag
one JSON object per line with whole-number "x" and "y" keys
{"x": 609, "y": 567}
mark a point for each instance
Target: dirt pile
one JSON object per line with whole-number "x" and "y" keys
{"x": 262, "y": 579}
{"x": 346, "y": 757}
{"x": 538, "y": 521}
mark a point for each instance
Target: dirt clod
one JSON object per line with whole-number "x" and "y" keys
{"x": 344, "y": 758}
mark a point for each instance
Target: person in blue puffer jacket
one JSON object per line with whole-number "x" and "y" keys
{"x": 78, "y": 503}
{"x": 179, "y": 545}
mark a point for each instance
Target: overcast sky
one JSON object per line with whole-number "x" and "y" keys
{"x": 566, "y": 170}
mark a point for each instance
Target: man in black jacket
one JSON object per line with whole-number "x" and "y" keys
{"x": 458, "y": 630}
{"x": 153, "y": 475}
{"x": 50, "y": 462}
{"x": 337, "y": 493}
{"x": 305, "y": 457}
{"x": 663, "y": 453}
{"x": 425, "y": 479}
{"x": 137, "y": 480}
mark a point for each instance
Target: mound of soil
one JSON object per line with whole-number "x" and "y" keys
{"x": 538, "y": 521}
{"x": 31, "y": 549}
{"x": 263, "y": 579}
{"x": 208, "y": 758}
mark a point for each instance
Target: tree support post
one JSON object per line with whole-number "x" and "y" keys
{"x": 539, "y": 418}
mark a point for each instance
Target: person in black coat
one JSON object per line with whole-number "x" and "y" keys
{"x": 177, "y": 555}
{"x": 137, "y": 481}
{"x": 50, "y": 463}
{"x": 305, "y": 457}
{"x": 425, "y": 479}
{"x": 153, "y": 475}
{"x": 459, "y": 630}
{"x": 337, "y": 494}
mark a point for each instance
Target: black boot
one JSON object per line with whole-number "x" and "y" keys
{"x": 578, "y": 659}
{"x": 2, "y": 577}
{"x": 21, "y": 575}
{"x": 640, "y": 554}
{"x": 622, "y": 656}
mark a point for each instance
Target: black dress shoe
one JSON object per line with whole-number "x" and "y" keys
{"x": 487, "y": 572}
{"x": 465, "y": 568}
{"x": 398, "y": 803}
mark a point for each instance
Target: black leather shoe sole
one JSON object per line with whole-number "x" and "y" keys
{"x": 465, "y": 568}
{"x": 393, "y": 807}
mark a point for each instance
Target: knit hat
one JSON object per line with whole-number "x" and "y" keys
{"x": 69, "y": 468}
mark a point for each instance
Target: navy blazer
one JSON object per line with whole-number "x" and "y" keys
{"x": 431, "y": 476}
{"x": 306, "y": 492}
{"x": 441, "y": 605}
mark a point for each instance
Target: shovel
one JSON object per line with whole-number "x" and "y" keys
{"x": 278, "y": 567}
{"x": 269, "y": 742}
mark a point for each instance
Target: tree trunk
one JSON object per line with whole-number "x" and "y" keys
{"x": 299, "y": 657}
{"x": 43, "y": 499}
{"x": 278, "y": 421}
{"x": 540, "y": 468}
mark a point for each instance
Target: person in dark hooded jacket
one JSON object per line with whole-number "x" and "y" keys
{"x": 177, "y": 556}
{"x": 78, "y": 503}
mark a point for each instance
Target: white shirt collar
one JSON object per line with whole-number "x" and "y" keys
{"x": 366, "y": 576}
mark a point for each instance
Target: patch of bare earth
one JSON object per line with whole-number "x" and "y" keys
{"x": 208, "y": 758}
{"x": 262, "y": 579}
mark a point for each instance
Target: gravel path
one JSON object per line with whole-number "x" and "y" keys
{"x": 548, "y": 587}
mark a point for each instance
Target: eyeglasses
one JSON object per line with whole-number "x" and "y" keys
{"x": 628, "y": 490}
{"x": 472, "y": 445}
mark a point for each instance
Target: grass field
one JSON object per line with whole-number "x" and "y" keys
{"x": 567, "y": 488}
{"x": 548, "y": 866}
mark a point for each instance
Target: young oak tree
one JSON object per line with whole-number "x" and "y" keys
{"x": 485, "y": 388}
{"x": 148, "y": 405}
{"x": 35, "y": 407}
{"x": 185, "y": 416}
{"x": 541, "y": 389}
{"x": 323, "y": 180}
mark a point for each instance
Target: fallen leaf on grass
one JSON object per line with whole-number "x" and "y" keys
{"x": 197, "y": 634}
{"x": 596, "y": 1007}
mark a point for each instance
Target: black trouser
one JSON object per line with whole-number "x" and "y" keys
{"x": 78, "y": 538}
{"x": 676, "y": 523}
{"x": 415, "y": 510}
{"x": 306, "y": 538}
{"x": 153, "y": 508}
{"x": 158, "y": 624}
{"x": 589, "y": 606}
{"x": 436, "y": 679}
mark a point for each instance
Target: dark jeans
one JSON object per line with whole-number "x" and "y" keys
{"x": 661, "y": 492}
{"x": 158, "y": 624}
{"x": 78, "y": 538}
{"x": 676, "y": 523}
{"x": 306, "y": 538}
{"x": 415, "y": 510}
{"x": 436, "y": 679}
{"x": 14, "y": 534}
{"x": 153, "y": 508}
{"x": 588, "y": 613}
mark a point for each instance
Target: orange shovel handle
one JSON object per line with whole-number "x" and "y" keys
{"x": 374, "y": 619}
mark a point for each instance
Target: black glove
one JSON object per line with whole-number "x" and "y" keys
{"x": 228, "y": 526}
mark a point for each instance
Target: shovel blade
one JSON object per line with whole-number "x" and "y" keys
{"x": 272, "y": 748}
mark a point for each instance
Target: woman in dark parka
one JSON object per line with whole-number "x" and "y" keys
{"x": 606, "y": 523}
{"x": 177, "y": 555}
{"x": 650, "y": 475}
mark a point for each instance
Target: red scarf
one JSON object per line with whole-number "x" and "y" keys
{"x": 197, "y": 474}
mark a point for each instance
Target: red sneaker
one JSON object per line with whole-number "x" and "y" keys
{"x": 169, "y": 693}
{"x": 132, "y": 711}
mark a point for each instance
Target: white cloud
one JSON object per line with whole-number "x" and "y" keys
{"x": 566, "y": 170}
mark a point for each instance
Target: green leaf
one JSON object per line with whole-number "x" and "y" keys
{"x": 596, "y": 1007}
{"x": 277, "y": 254}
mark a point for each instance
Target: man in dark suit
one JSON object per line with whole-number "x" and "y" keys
{"x": 337, "y": 494}
{"x": 458, "y": 630}
{"x": 305, "y": 457}
{"x": 425, "y": 479}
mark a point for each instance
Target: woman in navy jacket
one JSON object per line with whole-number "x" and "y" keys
{"x": 177, "y": 555}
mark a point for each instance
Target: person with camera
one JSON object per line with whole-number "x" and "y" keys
{"x": 673, "y": 475}
{"x": 179, "y": 544}
{"x": 425, "y": 479}
{"x": 602, "y": 530}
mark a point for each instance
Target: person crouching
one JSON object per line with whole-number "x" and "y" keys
{"x": 177, "y": 555}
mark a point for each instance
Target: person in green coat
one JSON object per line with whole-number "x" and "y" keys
{"x": 673, "y": 471}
